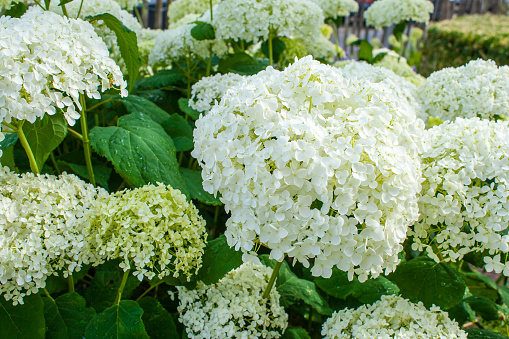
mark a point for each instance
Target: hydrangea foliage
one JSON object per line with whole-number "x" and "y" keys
{"x": 392, "y": 317}
{"x": 477, "y": 89}
{"x": 152, "y": 228}
{"x": 47, "y": 61}
{"x": 313, "y": 165}
{"x": 233, "y": 307}
{"x": 42, "y": 229}
{"x": 383, "y": 13}
{"x": 464, "y": 202}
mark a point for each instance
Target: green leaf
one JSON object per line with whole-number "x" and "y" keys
{"x": 368, "y": 292}
{"x": 292, "y": 288}
{"x": 278, "y": 47}
{"x": 241, "y": 63}
{"x": 45, "y": 135}
{"x": 102, "y": 173}
{"x": 422, "y": 279}
{"x": 136, "y": 104}
{"x": 120, "y": 321}
{"x": 295, "y": 333}
{"x": 56, "y": 284}
{"x": 486, "y": 286}
{"x": 23, "y": 321}
{"x": 485, "y": 307}
{"x": 140, "y": 151}
{"x": 180, "y": 131}
{"x": 184, "y": 107}
{"x": 7, "y": 159}
{"x": 47, "y": 3}
{"x": 379, "y": 57}
{"x": 366, "y": 51}
{"x": 67, "y": 316}
{"x": 203, "y": 31}
{"x": 127, "y": 43}
{"x": 218, "y": 259}
{"x": 477, "y": 333}
{"x": 462, "y": 313}
{"x": 194, "y": 181}
{"x": 503, "y": 291}
{"x": 16, "y": 10}
{"x": 157, "y": 320}
{"x": 104, "y": 288}
{"x": 399, "y": 29}
{"x": 63, "y": 2}
{"x": 164, "y": 78}
{"x": 9, "y": 140}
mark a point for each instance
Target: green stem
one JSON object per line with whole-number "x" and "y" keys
{"x": 38, "y": 3}
{"x": 64, "y": 10}
{"x": 336, "y": 39}
{"x": 148, "y": 290}
{"x": 272, "y": 279}
{"x": 138, "y": 16}
{"x": 54, "y": 162}
{"x": 271, "y": 59}
{"x": 209, "y": 66}
{"x": 47, "y": 294}
{"x": 121, "y": 288}
{"x": 211, "y": 16}
{"x": 26, "y": 146}
{"x": 75, "y": 134}
{"x": 99, "y": 104}
{"x": 70, "y": 283}
{"x": 86, "y": 140}
{"x": 79, "y": 10}
{"x": 437, "y": 251}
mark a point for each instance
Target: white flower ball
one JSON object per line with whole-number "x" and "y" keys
{"x": 42, "y": 229}
{"x": 46, "y": 61}
{"x": 464, "y": 201}
{"x": 208, "y": 91}
{"x": 392, "y": 317}
{"x": 233, "y": 307}
{"x": 177, "y": 10}
{"x": 478, "y": 89}
{"x": 337, "y": 8}
{"x": 314, "y": 166}
{"x": 252, "y": 20}
{"x": 383, "y": 13}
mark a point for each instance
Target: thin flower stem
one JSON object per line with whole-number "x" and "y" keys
{"x": 79, "y": 10}
{"x": 54, "y": 162}
{"x": 271, "y": 58}
{"x": 121, "y": 288}
{"x": 26, "y": 147}
{"x": 64, "y": 10}
{"x": 336, "y": 39}
{"x": 39, "y": 4}
{"x": 86, "y": 140}
{"x": 211, "y": 16}
{"x": 272, "y": 279}
{"x": 138, "y": 16}
{"x": 75, "y": 134}
{"x": 70, "y": 283}
{"x": 99, "y": 104}
{"x": 14, "y": 128}
{"x": 148, "y": 290}
{"x": 47, "y": 294}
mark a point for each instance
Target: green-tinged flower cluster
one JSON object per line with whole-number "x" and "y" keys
{"x": 383, "y": 13}
{"x": 42, "y": 230}
{"x": 181, "y": 8}
{"x": 152, "y": 228}
{"x": 233, "y": 307}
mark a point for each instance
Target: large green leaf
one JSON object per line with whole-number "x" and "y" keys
{"x": 22, "y": 321}
{"x": 165, "y": 78}
{"x": 105, "y": 284}
{"x": 140, "y": 151}
{"x": 477, "y": 333}
{"x": 120, "y": 321}
{"x": 194, "y": 185}
{"x": 136, "y": 104}
{"x": 485, "y": 307}
{"x": 278, "y": 47}
{"x": 203, "y": 31}
{"x": 45, "y": 135}
{"x": 462, "y": 313}
{"x": 479, "y": 284}
{"x": 157, "y": 320}
{"x": 295, "y": 333}
{"x": 67, "y": 316}
{"x": 368, "y": 292}
{"x": 423, "y": 279}
{"x": 16, "y": 10}
{"x": 503, "y": 291}
{"x": 180, "y": 131}
{"x": 241, "y": 63}
{"x": 399, "y": 30}
{"x": 292, "y": 288}
{"x": 185, "y": 108}
{"x": 218, "y": 259}
{"x": 127, "y": 43}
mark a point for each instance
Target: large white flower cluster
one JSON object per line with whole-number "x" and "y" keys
{"x": 252, "y": 20}
{"x": 383, "y": 13}
{"x": 42, "y": 229}
{"x": 46, "y": 61}
{"x": 477, "y": 89}
{"x": 152, "y": 228}
{"x": 313, "y": 165}
{"x": 181, "y": 8}
{"x": 464, "y": 204}
{"x": 209, "y": 90}
{"x": 337, "y": 8}
{"x": 233, "y": 307}
{"x": 392, "y": 317}
{"x": 176, "y": 43}
{"x": 128, "y": 4}
{"x": 401, "y": 87}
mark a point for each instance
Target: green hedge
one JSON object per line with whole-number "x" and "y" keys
{"x": 455, "y": 42}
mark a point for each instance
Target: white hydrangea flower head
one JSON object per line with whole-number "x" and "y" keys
{"x": 233, "y": 307}
{"x": 392, "y": 317}
{"x": 146, "y": 43}
{"x": 252, "y": 20}
{"x": 401, "y": 87}
{"x": 42, "y": 229}
{"x": 313, "y": 165}
{"x": 47, "y": 61}
{"x": 477, "y": 89}
{"x": 176, "y": 43}
{"x": 321, "y": 48}
{"x": 181, "y": 8}
{"x": 209, "y": 90}
{"x": 128, "y": 4}
{"x": 464, "y": 201}
{"x": 187, "y": 19}
{"x": 153, "y": 228}
{"x": 384, "y": 13}
{"x": 398, "y": 65}
{"x": 336, "y": 8}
